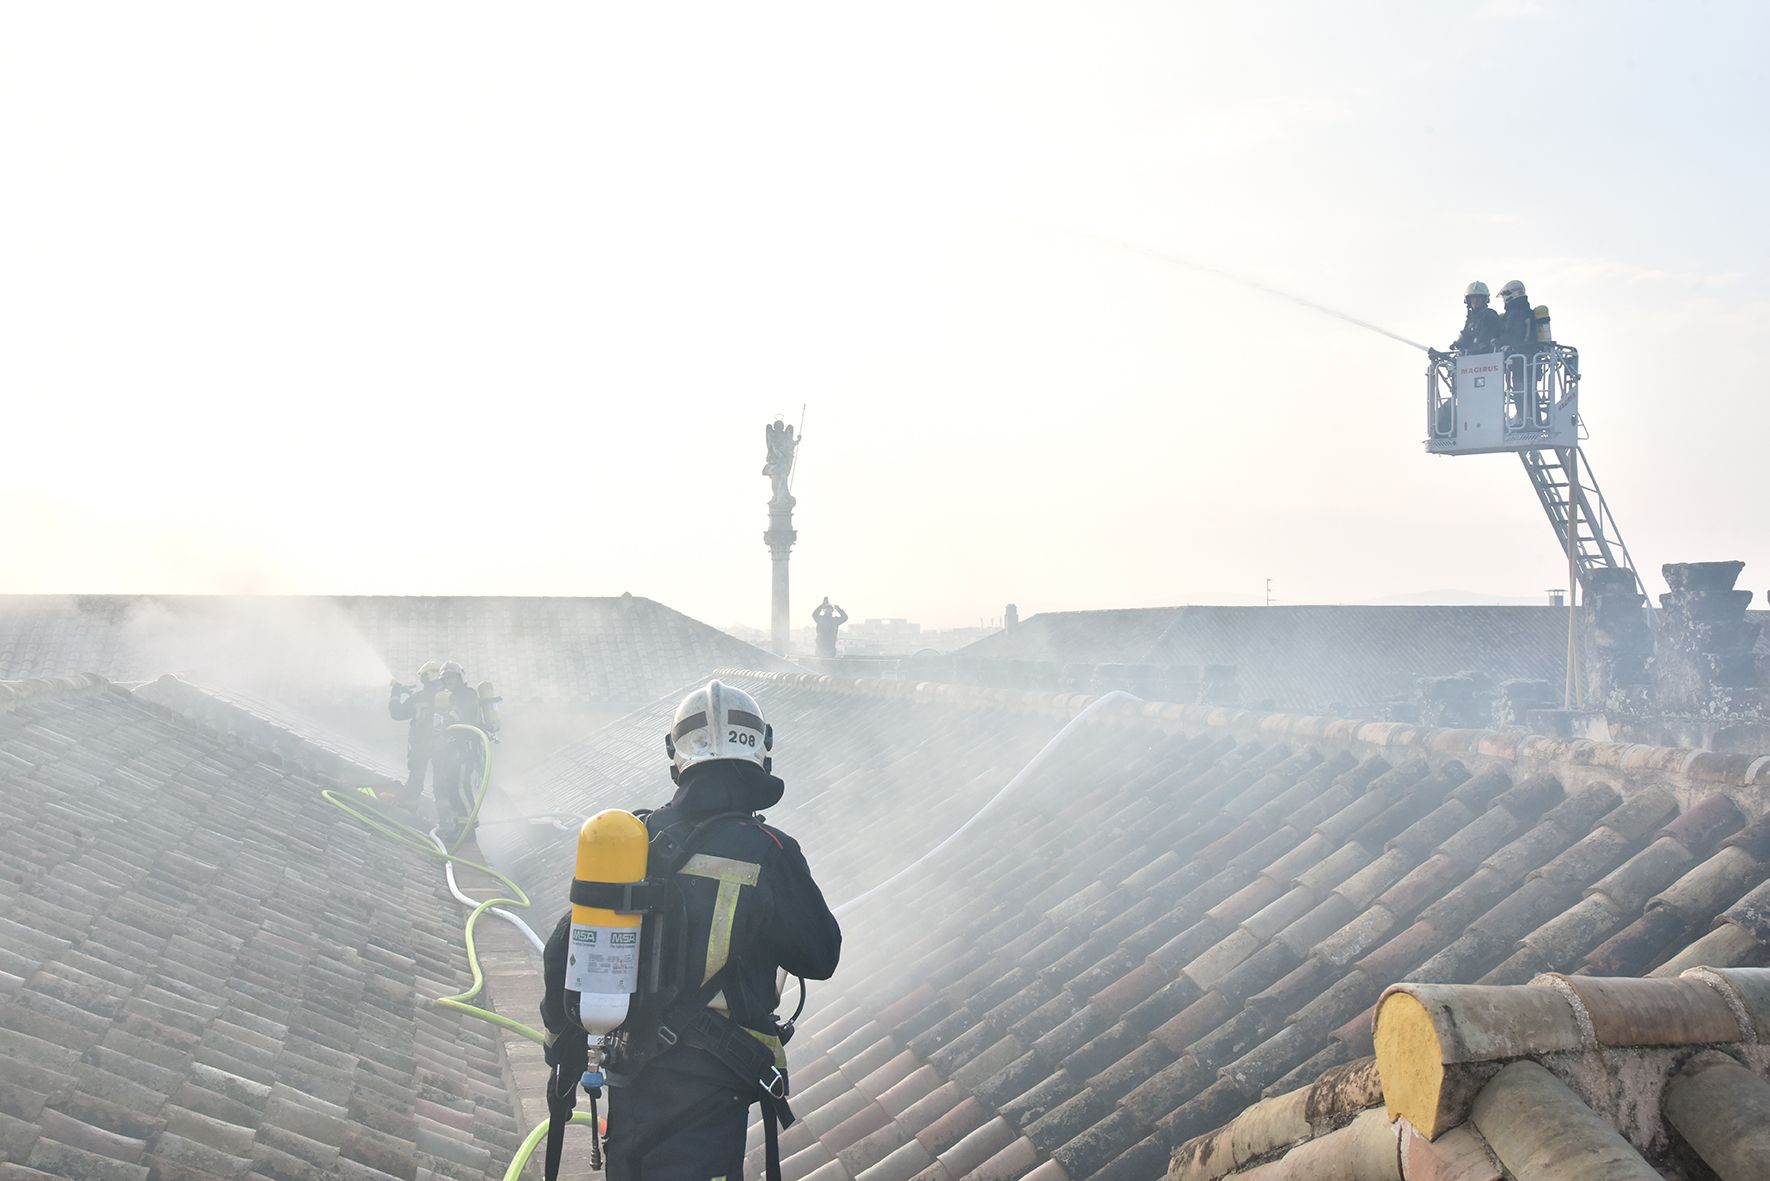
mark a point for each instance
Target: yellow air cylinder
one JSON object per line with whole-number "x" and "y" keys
{"x": 602, "y": 963}
{"x": 1543, "y": 333}
{"x": 488, "y": 708}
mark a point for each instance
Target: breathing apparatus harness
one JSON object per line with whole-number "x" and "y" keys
{"x": 660, "y": 1013}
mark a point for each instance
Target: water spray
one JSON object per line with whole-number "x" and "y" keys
{"x": 1292, "y": 297}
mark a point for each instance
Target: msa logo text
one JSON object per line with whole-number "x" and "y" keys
{"x": 623, "y": 938}
{"x": 585, "y": 937}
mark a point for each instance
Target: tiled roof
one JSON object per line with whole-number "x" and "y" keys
{"x": 207, "y": 971}
{"x": 1562, "y": 1079}
{"x": 601, "y": 652}
{"x": 1309, "y": 659}
{"x": 1180, "y": 908}
{"x": 246, "y": 722}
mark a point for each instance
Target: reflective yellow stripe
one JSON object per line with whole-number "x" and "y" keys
{"x": 772, "y": 1042}
{"x": 725, "y": 909}
{"x": 723, "y": 869}
{"x": 732, "y": 876}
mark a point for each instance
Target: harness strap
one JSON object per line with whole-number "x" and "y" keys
{"x": 621, "y": 897}
{"x": 771, "y": 1142}
{"x": 561, "y": 1099}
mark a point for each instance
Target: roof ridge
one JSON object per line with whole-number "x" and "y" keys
{"x": 13, "y": 692}
{"x": 199, "y": 706}
{"x": 1687, "y": 765}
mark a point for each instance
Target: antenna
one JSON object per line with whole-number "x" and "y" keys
{"x": 794, "y": 473}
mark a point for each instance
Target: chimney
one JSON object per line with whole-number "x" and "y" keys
{"x": 1705, "y": 664}
{"x": 1619, "y": 641}
{"x": 1010, "y": 617}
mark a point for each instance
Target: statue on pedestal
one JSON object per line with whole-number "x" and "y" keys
{"x": 782, "y": 448}
{"x": 829, "y": 620}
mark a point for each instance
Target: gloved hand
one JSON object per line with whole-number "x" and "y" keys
{"x": 569, "y": 1056}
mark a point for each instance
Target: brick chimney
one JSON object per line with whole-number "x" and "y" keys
{"x": 1705, "y": 665}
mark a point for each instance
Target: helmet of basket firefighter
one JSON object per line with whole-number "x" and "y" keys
{"x": 1512, "y": 290}
{"x": 1474, "y": 289}
{"x": 429, "y": 671}
{"x": 717, "y": 722}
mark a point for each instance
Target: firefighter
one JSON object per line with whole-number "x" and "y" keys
{"x": 696, "y": 1053}
{"x": 416, "y": 704}
{"x": 1481, "y": 324}
{"x": 459, "y": 756}
{"x": 1517, "y": 338}
{"x": 1517, "y": 326}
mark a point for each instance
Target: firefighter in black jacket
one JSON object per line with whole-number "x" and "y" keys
{"x": 1481, "y": 324}
{"x": 415, "y": 704}
{"x": 1517, "y": 326}
{"x": 678, "y": 1100}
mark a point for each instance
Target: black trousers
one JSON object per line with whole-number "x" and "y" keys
{"x": 416, "y": 764}
{"x": 675, "y": 1124}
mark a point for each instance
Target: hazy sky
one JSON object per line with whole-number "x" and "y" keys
{"x": 431, "y": 298}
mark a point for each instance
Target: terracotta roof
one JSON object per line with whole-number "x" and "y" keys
{"x": 1181, "y": 908}
{"x": 207, "y": 971}
{"x": 1563, "y": 1079}
{"x": 250, "y": 723}
{"x": 1314, "y": 658}
{"x": 603, "y": 652}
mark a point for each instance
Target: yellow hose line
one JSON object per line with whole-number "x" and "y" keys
{"x": 532, "y": 1141}
{"x": 485, "y": 779}
{"x": 458, "y": 1002}
{"x": 405, "y": 834}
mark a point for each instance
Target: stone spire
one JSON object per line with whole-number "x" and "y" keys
{"x": 783, "y": 450}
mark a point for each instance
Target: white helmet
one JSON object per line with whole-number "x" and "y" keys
{"x": 718, "y": 722}
{"x": 429, "y": 671}
{"x": 1476, "y": 288}
{"x": 1512, "y": 290}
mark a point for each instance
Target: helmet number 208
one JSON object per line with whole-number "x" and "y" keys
{"x": 741, "y": 737}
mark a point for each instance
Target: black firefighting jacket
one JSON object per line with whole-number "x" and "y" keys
{"x": 751, "y": 906}
{"x": 1517, "y": 328}
{"x": 1480, "y": 329}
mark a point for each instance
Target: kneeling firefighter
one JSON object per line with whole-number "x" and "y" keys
{"x": 679, "y": 1022}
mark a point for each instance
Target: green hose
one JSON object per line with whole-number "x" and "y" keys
{"x": 411, "y": 837}
{"x": 532, "y": 1141}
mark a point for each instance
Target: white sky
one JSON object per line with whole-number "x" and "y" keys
{"x": 443, "y": 298}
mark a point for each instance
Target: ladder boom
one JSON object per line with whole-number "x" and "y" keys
{"x": 1597, "y": 542}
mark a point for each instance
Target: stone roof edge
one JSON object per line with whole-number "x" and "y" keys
{"x": 270, "y": 738}
{"x": 14, "y": 692}
{"x": 1706, "y": 769}
{"x": 1270, "y": 1128}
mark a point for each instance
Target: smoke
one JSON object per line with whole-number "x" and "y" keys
{"x": 1245, "y": 281}
{"x": 1020, "y": 778}
{"x": 262, "y": 646}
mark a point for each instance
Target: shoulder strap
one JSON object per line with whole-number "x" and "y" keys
{"x": 670, "y": 852}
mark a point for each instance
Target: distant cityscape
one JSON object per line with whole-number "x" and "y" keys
{"x": 878, "y": 637}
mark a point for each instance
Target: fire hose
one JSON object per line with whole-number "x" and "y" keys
{"x": 431, "y": 844}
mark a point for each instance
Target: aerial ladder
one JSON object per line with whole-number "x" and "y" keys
{"x": 1528, "y": 403}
